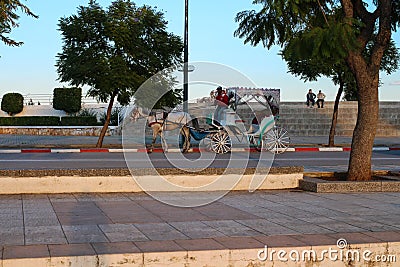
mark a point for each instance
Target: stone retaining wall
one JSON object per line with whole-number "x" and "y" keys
{"x": 65, "y": 131}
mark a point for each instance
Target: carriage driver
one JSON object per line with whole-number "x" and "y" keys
{"x": 222, "y": 101}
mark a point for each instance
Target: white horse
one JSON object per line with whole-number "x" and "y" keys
{"x": 163, "y": 121}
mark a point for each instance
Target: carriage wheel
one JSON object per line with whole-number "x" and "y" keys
{"x": 276, "y": 140}
{"x": 221, "y": 142}
{"x": 206, "y": 143}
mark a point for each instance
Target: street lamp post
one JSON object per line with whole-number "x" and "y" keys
{"x": 186, "y": 59}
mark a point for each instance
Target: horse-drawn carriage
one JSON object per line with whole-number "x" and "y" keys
{"x": 263, "y": 133}
{"x": 219, "y": 136}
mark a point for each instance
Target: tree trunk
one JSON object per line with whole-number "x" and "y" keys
{"x": 365, "y": 130}
{"x": 332, "y": 131}
{"x": 107, "y": 122}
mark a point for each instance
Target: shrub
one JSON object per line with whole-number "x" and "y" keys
{"x": 87, "y": 112}
{"x": 67, "y": 99}
{"x": 79, "y": 121}
{"x": 114, "y": 117}
{"x": 12, "y": 103}
{"x": 30, "y": 121}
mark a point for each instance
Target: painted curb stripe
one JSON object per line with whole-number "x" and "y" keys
{"x": 94, "y": 150}
{"x": 330, "y": 149}
{"x": 121, "y": 150}
{"x": 10, "y": 151}
{"x": 177, "y": 150}
{"x": 65, "y": 150}
{"x": 305, "y": 149}
{"x": 35, "y": 150}
{"x": 380, "y": 149}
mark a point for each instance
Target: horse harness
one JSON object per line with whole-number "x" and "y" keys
{"x": 163, "y": 121}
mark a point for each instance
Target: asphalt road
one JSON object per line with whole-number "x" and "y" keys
{"x": 312, "y": 161}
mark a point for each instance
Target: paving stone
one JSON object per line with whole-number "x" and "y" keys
{"x": 196, "y": 229}
{"x": 316, "y": 239}
{"x": 50, "y": 220}
{"x": 31, "y": 251}
{"x": 113, "y": 197}
{"x": 62, "y": 198}
{"x": 341, "y": 227}
{"x": 231, "y": 228}
{"x": 128, "y": 212}
{"x": 44, "y": 235}
{"x": 116, "y": 248}
{"x": 374, "y": 226}
{"x": 308, "y": 228}
{"x": 280, "y": 241}
{"x": 84, "y": 234}
{"x": 239, "y": 242}
{"x": 220, "y": 211}
{"x": 160, "y": 231}
{"x": 6, "y": 223}
{"x": 356, "y": 238}
{"x": 199, "y": 244}
{"x": 10, "y": 207}
{"x": 91, "y": 197}
{"x": 71, "y": 250}
{"x": 267, "y": 227}
{"x": 387, "y": 236}
{"x": 122, "y": 232}
{"x": 158, "y": 246}
{"x": 12, "y": 236}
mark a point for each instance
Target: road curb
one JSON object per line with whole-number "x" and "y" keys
{"x": 174, "y": 150}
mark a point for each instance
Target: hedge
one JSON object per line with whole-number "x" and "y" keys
{"x": 48, "y": 121}
{"x": 30, "y": 121}
{"x": 79, "y": 121}
{"x": 67, "y": 99}
{"x": 12, "y": 103}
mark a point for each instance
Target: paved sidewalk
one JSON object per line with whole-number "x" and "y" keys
{"x": 90, "y": 224}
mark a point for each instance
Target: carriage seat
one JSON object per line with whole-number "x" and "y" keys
{"x": 266, "y": 124}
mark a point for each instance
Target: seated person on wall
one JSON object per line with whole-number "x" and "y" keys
{"x": 320, "y": 99}
{"x": 221, "y": 100}
{"x": 310, "y": 98}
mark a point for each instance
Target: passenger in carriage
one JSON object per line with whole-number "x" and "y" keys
{"x": 222, "y": 101}
{"x": 255, "y": 122}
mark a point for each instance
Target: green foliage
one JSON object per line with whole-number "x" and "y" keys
{"x": 158, "y": 92}
{"x": 9, "y": 19}
{"x": 115, "y": 117}
{"x": 12, "y": 103}
{"x": 86, "y": 112}
{"x": 67, "y": 99}
{"x": 30, "y": 121}
{"x": 79, "y": 121}
{"x": 49, "y": 121}
{"x": 114, "y": 51}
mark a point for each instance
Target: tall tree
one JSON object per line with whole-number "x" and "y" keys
{"x": 114, "y": 51}
{"x": 347, "y": 30}
{"x": 9, "y": 19}
{"x": 337, "y": 69}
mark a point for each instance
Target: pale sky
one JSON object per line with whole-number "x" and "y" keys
{"x": 30, "y": 69}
